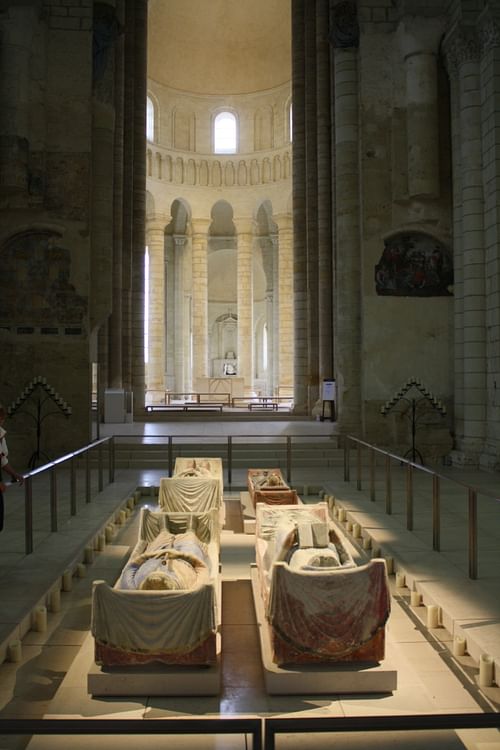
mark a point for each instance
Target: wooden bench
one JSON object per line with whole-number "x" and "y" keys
{"x": 263, "y": 404}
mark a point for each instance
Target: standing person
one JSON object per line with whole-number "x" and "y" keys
{"x": 4, "y": 463}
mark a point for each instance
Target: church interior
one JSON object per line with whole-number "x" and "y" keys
{"x": 261, "y": 237}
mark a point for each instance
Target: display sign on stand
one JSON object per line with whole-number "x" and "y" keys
{"x": 329, "y": 395}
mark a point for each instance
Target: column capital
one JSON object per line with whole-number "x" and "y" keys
{"x": 344, "y": 27}
{"x": 244, "y": 227}
{"x": 284, "y": 222}
{"x": 462, "y": 44}
{"x": 199, "y": 226}
{"x": 420, "y": 36}
{"x": 179, "y": 241}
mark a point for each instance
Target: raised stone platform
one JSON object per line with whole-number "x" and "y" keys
{"x": 155, "y": 679}
{"x": 317, "y": 679}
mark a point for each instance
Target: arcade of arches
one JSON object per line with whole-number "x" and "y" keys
{"x": 349, "y": 230}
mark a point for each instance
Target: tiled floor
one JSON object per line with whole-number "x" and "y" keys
{"x": 50, "y": 681}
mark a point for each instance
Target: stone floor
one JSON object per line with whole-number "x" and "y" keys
{"x": 50, "y": 679}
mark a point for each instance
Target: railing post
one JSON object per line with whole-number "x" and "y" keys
{"x": 53, "y": 499}
{"x": 472, "y": 534}
{"x": 289, "y": 459}
{"x": 409, "y": 497}
{"x": 72, "y": 484}
{"x": 28, "y": 516}
{"x": 100, "y": 467}
{"x": 388, "y": 485}
{"x": 170, "y": 455}
{"x": 358, "y": 478}
{"x": 373, "y": 457}
{"x": 436, "y": 513}
{"x": 87, "y": 476}
{"x": 229, "y": 460}
{"x": 347, "y": 461}
{"x": 111, "y": 459}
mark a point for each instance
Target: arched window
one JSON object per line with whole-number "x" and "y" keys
{"x": 290, "y": 122}
{"x": 225, "y": 135}
{"x": 150, "y": 120}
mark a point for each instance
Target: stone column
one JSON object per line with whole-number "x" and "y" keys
{"x": 180, "y": 334}
{"x": 299, "y": 296}
{"x": 420, "y": 39}
{"x": 312, "y": 252}
{"x": 105, "y": 34}
{"x": 139, "y": 204}
{"x": 325, "y": 242}
{"x": 285, "y": 340}
{"x": 347, "y": 219}
{"x": 115, "y": 330}
{"x": 490, "y": 91}
{"x": 274, "y": 352}
{"x": 128, "y": 193}
{"x": 155, "y": 240}
{"x": 268, "y": 260}
{"x": 464, "y": 57}
{"x": 245, "y": 304}
{"x": 199, "y": 240}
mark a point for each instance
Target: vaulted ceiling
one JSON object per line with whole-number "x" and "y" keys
{"x": 219, "y": 46}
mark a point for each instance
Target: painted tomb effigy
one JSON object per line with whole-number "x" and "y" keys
{"x": 268, "y": 486}
{"x": 163, "y": 608}
{"x": 320, "y": 607}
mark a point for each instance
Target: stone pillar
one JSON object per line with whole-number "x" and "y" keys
{"x": 199, "y": 241}
{"x": 490, "y": 91}
{"x": 285, "y": 339}
{"x": 106, "y": 32}
{"x": 312, "y": 253}
{"x": 458, "y": 278}
{"x": 181, "y": 334}
{"x": 155, "y": 240}
{"x": 268, "y": 261}
{"x": 128, "y": 194}
{"x": 299, "y": 296}
{"x": 245, "y": 305}
{"x": 115, "y": 330}
{"x": 274, "y": 352}
{"x": 139, "y": 204}
{"x": 420, "y": 39}
{"x": 347, "y": 220}
{"x": 325, "y": 242}
{"x": 464, "y": 59}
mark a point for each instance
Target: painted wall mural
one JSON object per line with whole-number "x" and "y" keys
{"x": 35, "y": 286}
{"x": 414, "y": 264}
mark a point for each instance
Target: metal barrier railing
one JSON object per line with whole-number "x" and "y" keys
{"x": 253, "y": 726}
{"x": 352, "y": 724}
{"x": 51, "y": 469}
{"x": 411, "y": 468}
{"x": 285, "y": 443}
{"x": 167, "y": 727}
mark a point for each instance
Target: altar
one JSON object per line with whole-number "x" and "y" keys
{"x": 215, "y": 387}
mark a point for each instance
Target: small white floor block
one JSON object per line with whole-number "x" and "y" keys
{"x": 317, "y": 679}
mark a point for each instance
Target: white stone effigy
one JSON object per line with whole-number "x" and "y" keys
{"x": 268, "y": 486}
{"x": 319, "y": 605}
{"x": 164, "y": 606}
